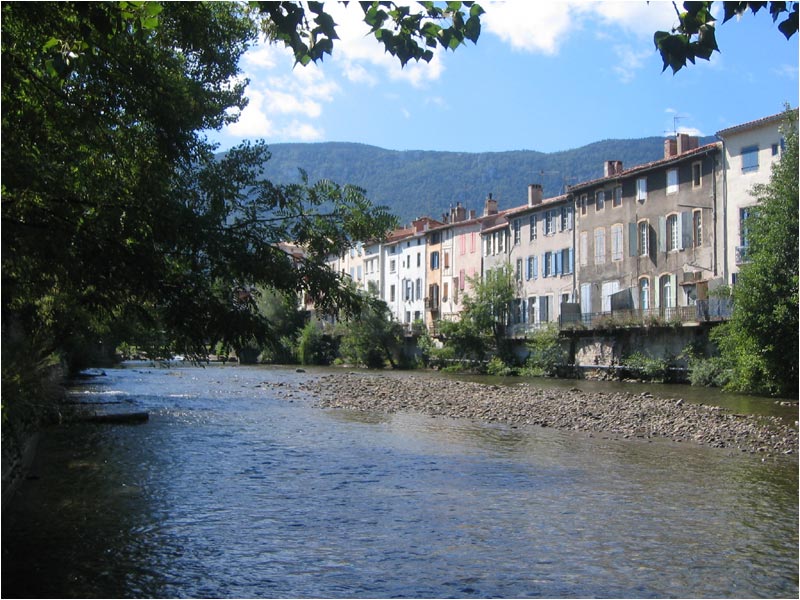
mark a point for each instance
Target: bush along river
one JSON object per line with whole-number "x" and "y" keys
{"x": 269, "y": 482}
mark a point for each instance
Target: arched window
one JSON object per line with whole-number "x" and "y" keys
{"x": 644, "y": 293}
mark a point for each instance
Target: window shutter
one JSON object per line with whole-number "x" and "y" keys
{"x": 686, "y": 232}
{"x": 571, "y": 259}
{"x": 633, "y": 239}
{"x": 535, "y": 267}
{"x": 662, "y": 234}
{"x": 657, "y": 292}
{"x": 527, "y": 269}
{"x": 559, "y": 259}
{"x": 673, "y": 289}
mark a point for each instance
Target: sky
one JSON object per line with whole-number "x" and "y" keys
{"x": 544, "y": 76}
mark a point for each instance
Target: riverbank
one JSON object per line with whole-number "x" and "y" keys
{"x": 618, "y": 414}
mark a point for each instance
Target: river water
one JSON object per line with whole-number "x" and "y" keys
{"x": 234, "y": 490}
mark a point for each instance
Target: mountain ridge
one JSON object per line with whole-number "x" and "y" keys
{"x": 414, "y": 183}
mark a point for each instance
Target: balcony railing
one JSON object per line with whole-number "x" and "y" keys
{"x": 704, "y": 311}
{"x": 740, "y": 255}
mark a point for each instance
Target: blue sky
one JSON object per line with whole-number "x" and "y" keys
{"x": 544, "y": 76}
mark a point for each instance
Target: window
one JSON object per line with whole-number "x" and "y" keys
{"x": 566, "y": 218}
{"x": 391, "y": 293}
{"x": 487, "y": 246}
{"x": 641, "y": 189}
{"x": 599, "y": 200}
{"x": 501, "y": 238}
{"x": 697, "y": 228}
{"x": 667, "y": 291}
{"x": 584, "y": 202}
{"x": 446, "y": 259}
{"x": 644, "y": 294}
{"x": 599, "y": 246}
{"x": 744, "y": 214}
{"x": 672, "y": 181}
{"x": 673, "y": 233}
{"x": 419, "y": 289}
{"x": 518, "y": 270}
{"x": 533, "y": 227}
{"x": 530, "y": 270}
{"x": 462, "y": 279}
{"x": 644, "y": 238}
{"x": 359, "y": 274}
{"x": 584, "y": 248}
{"x": 550, "y": 222}
{"x": 434, "y": 260}
{"x": 749, "y": 159}
{"x": 697, "y": 174}
{"x": 568, "y": 260}
{"x": 517, "y": 231}
{"x": 392, "y": 266}
{"x": 462, "y": 243}
{"x": 616, "y": 242}
{"x": 775, "y": 149}
{"x": 547, "y": 266}
{"x": 544, "y": 309}
{"x": 445, "y": 289}
{"x": 419, "y": 259}
{"x": 617, "y": 197}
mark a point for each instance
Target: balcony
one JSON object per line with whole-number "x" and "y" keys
{"x": 705, "y": 311}
{"x": 432, "y": 304}
{"x": 740, "y": 255}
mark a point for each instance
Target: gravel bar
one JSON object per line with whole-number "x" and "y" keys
{"x": 621, "y": 414}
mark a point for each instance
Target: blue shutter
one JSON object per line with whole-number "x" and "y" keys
{"x": 559, "y": 266}
{"x": 535, "y": 267}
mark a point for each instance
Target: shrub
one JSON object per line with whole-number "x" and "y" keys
{"x": 497, "y": 366}
{"x": 545, "y": 353}
{"x": 646, "y": 367}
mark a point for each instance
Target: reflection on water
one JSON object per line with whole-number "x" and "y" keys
{"x": 232, "y": 491}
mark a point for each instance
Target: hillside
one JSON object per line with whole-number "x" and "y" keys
{"x": 414, "y": 183}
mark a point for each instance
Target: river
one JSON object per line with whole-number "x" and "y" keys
{"x": 234, "y": 490}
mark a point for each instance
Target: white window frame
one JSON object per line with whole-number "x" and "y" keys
{"x": 641, "y": 189}
{"x": 672, "y": 181}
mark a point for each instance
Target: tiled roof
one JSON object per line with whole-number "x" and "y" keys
{"x": 751, "y": 124}
{"x": 546, "y": 202}
{"x": 647, "y": 166}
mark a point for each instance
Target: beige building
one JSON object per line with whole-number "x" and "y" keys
{"x": 541, "y": 237}
{"x": 647, "y": 238}
{"x": 749, "y": 151}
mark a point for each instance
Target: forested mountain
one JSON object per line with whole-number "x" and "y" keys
{"x": 415, "y": 183}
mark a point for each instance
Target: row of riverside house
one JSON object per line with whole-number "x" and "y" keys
{"x": 643, "y": 243}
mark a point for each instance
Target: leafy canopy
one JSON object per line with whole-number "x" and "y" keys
{"x": 695, "y": 35}
{"x": 760, "y": 342}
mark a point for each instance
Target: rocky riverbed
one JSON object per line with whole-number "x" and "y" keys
{"x": 618, "y": 414}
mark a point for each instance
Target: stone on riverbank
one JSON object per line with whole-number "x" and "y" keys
{"x": 623, "y": 414}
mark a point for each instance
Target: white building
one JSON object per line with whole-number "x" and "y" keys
{"x": 749, "y": 150}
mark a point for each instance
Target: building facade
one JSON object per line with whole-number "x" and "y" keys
{"x": 749, "y": 151}
{"x": 647, "y": 238}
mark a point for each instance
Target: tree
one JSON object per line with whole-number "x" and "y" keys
{"x": 695, "y": 35}
{"x": 760, "y": 342}
{"x": 373, "y": 337}
{"x": 486, "y": 311}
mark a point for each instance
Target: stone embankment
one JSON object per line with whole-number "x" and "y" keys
{"x": 619, "y": 414}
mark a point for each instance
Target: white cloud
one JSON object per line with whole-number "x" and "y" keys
{"x": 629, "y": 62}
{"x": 530, "y": 26}
{"x": 543, "y": 27}
{"x": 360, "y": 55}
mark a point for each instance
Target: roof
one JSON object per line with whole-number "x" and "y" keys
{"x": 752, "y": 124}
{"x": 649, "y": 166}
{"x": 544, "y": 203}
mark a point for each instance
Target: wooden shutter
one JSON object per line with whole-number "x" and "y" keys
{"x": 633, "y": 239}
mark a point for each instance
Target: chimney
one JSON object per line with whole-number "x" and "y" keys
{"x": 612, "y": 167}
{"x": 670, "y": 148}
{"x": 686, "y": 142}
{"x": 534, "y": 194}
{"x": 490, "y": 207}
{"x": 458, "y": 213}
{"x": 471, "y": 213}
